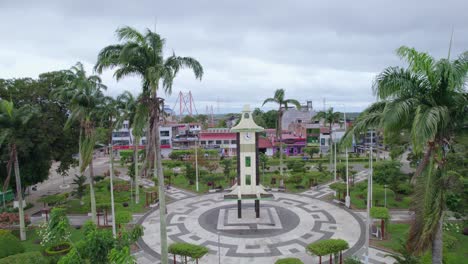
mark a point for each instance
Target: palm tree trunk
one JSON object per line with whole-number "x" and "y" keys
{"x": 20, "y": 195}
{"x": 159, "y": 173}
{"x": 437, "y": 243}
{"x": 135, "y": 160}
{"x": 91, "y": 191}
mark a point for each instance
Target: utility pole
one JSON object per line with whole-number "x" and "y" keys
{"x": 348, "y": 198}
{"x": 196, "y": 162}
{"x": 111, "y": 175}
{"x": 369, "y": 202}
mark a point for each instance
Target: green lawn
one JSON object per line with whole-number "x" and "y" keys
{"x": 359, "y": 202}
{"x": 33, "y": 241}
{"x": 103, "y": 197}
{"x": 399, "y": 232}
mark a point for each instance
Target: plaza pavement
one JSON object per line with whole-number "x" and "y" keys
{"x": 318, "y": 219}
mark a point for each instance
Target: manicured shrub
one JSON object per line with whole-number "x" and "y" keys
{"x": 327, "y": 247}
{"x": 9, "y": 245}
{"x": 123, "y": 217}
{"x": 188, "y": 250}
{"x": 33, "y": 257}
{"x": 289, "y": 261}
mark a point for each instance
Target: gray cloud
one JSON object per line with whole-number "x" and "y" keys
{"x": 312, "y": 49}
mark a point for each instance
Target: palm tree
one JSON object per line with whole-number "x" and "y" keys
{"x": 428, "y": 99}
{"x": 137, "y": 122}
{"x": 329, "y": 118}
{"x": 279, "y": 99}
{"x": 13, "y": 120}
{"x": 141, "y": 54}
{"x": 85, "y": 97}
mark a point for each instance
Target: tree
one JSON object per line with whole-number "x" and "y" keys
{"x": 311, "y": 151}
{"x": 137, "y": 121}
{"x": 330, "y": 117}
{"x": 141, "y": 54}
{"x": 79, "y": 181}
{"x": 427, "y": 100}
{"x": 57, "y": 230}
{"x": 85, "y": 97}
{"x": 279, "y": 99}
{"x": 382, "y": 214}
{"x": 13, "y": 120}
{"x": 44, "y": 140}
{"x": 226, "y": 163}
{"x": 188, "y": 119}
{"x": 327, "y": 247}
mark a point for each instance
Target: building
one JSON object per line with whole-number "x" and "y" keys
{"x": 294, "y": 118}
{"x": 224, "y": 141}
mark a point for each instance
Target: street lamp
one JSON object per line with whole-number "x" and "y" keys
{"x": 111, "y": 175}
{"x": 369, "y": 199}
{"x": 196, "y": 162}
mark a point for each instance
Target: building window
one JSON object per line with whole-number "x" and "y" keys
{"x": 203, "y": 142}
{"x": 120, "y": 142}
{"x": 165, "y": 142}
{"x": 218, "y": 142}
{"x": 246, "y": 116}
{"x": 210, "y": 142}
{"x": 233, "y": 141}
{"x": 322, "y": 141}
{"x": 226, "y": 142}
{"x": 120, "y": 134}
{"x": 164, "y": 133}
{"x": 143, "y": 141}
{"x": 248, "y": 179}
{"x": 247, "y": 162}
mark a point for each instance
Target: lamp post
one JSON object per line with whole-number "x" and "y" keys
{"x": 369, "y": 200}
{"x": 111, "y": 175}
{"x": 334, "y": 144}
{"x": 196, "y": 163}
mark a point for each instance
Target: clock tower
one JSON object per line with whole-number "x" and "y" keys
{"x": 248, "y": 177}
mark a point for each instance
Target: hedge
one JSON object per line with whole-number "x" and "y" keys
{"x": 188, "y": 250}
{"x": 289, "y": 261}
{"x": 379, "y": 213}
{"x": 327, "y": 247}
{"x": 32, "y": 257}
{"x": 9, "y": 245}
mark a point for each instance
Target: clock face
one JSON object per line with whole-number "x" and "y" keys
{"x": 248, "y": 136}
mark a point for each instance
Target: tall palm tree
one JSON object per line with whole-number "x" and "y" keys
{"x": 128, "y": 107}
{"x": 429, "y": 100}
{"x": 13, "y": 120}
{"x": 279, "y": 99}
{"x": 141, "y": 54}
{"x": 330, "y": 117}
{"x": 84, "y": 94}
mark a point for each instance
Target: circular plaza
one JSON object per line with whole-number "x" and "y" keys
{"x": 287, "y": 223}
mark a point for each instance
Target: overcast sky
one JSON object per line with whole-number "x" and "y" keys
{"x": 312, "y": 49}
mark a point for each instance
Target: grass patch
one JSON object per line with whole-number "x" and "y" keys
{"x": 103, "y": 196}
{"x": 32, "y": 243}
{"x": 398, "y": 232}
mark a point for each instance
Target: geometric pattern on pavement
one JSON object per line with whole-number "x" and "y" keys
{"x": 303, "y": 220}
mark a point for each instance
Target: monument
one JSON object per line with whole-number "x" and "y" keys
{"x": 248, "y": 185}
